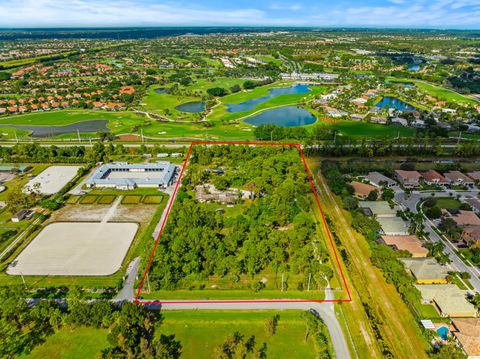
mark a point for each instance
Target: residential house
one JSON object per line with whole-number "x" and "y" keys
{"x": 471, "y": 235}
{"x": 433, "y": 178}
{"x": 474, "y": 203}
{"x": 409, "y": 243}
{"x": 393, "y": 226}
{"x": 467, "y": 334}
{"x": 426, "y": 270}
{"x": 379, "y": 180}
{"x": 457, "y": 178}
{"x": 399, "y": 121}
{"x": 409, "y": 179}
{"x": 362, "y": 190}
{"x": 466, "y": 218}
{"x": 378, "y": 119}
{"x": 475, "y": 175}
{"x": 379, "y": 209}
{"x": 450, "y": 300}
{"x": 21, "y": 215}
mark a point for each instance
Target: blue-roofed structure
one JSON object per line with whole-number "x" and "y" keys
{"x": 122, "y": 175}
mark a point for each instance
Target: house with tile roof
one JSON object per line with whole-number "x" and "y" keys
{"x": 409, "y": 243}
{"x": 362, "y": 190}
{"x": 409, "y": 179}
{"x": 433, "y": 178}
{"x": 450, "y": 300}
{"x": 426, "y": 270}
{"x": 467, "y": 334}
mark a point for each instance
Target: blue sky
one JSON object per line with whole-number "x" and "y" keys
{"x": 386, "y": 13}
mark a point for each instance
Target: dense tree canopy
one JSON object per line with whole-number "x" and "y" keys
{"x": 273, "y": 231}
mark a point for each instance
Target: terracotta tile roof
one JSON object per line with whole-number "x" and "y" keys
{"x": 468, "y": 334}
{"x": 362, "y": 189}
{"x": 408, "y": 243}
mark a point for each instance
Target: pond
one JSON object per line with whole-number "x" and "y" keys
{"x": 160, "y": 91}
{"x": 274, "y": 92}
{"x": 393, "y": 102}
{"x": 48, "y": 131}
{"x": 192, "y": 107}
{"x": 288, "y": 116}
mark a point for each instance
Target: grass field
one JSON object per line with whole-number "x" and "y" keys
{"x": 131, "y": 199}
{"x": 437, "y": 91}
{"x": 233, "y": 294}
{"x": 152, "y": 199}
{"x": 365, "y": 129}
{"x": 448, "y": 203}
{"x": 88, "y": 199}
{"x": 201, "y": 331}
{"x": 79, "y": 343}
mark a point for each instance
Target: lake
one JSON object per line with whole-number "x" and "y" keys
{"x": 48, "y": 131}
{"x": 414, "y": 67}
{"x": 393, "y": 102}
{"x": 192, "y": 107}
{"x": 273, "y": 92}
{"x": 160, "y": 91}
{"x": 288, "y": 116}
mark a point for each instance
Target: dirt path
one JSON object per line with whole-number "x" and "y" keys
{"x": 111, "y": 211}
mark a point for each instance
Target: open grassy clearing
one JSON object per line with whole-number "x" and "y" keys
{"x": 78, "y": 343}
{"x": 196, "y": 294}
{"x": 365, "y": 129}
{"x": 448, "y": 203}
{"x": 201, "y": 331}
{"x": 437, "y": 91}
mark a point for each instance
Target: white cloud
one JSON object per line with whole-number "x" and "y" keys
{"x": 289, "y": 7}
{"x": 124, "y": 12}
{"x": 394, "y": 13}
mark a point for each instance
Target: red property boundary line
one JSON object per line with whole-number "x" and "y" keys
{"x": 169, "y": 206}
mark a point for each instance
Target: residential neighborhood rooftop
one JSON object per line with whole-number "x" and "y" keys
{"x": 408, "y": 243}
{"x": 426, "y": 270}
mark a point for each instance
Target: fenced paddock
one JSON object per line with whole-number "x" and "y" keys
{"x": 52, "y": 180}
{"x": 76, "y": 248}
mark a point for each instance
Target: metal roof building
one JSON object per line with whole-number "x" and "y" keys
{"x": 122, "y": 175}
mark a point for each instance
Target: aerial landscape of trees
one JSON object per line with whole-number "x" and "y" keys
{"x": 273, "y": 232}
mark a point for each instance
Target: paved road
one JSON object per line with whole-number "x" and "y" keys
{"x": 457, "y": 264}
{"x": 325, "y": 311}
{"x": 127, "y": 293}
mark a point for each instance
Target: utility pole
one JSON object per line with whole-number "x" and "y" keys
{"x": 23, "y": 280}
{"x": 148, "y": 283}
{"x": 78, "y": 135}
{"x": 282, "y": 282}
{"x": 309, "y": 280}
{"x": 16, "y": 138}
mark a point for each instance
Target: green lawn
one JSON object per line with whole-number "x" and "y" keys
{"x": 79, "y": 343}
{"x": 437, "y": 91}
{"x": 448, "y": 203}
{"x": 232, "y": 294}
{"x": 201, "y": 331}
{"x": 444, "y": 94}
{"x": 365, "y": 129}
